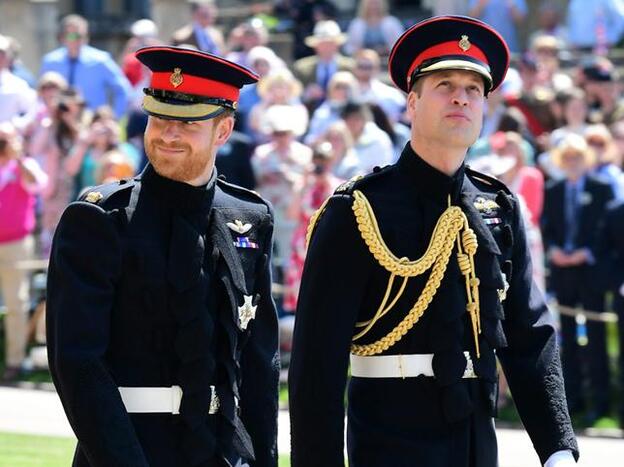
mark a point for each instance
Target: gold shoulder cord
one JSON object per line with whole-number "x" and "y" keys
{"x": 447, "y": 231}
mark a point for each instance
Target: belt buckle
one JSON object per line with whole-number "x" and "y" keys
{"x": 469, "y": 371}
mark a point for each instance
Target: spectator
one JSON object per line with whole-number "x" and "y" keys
{"x": 84, "y": 157}
{"x": 53, "y": 142}
{"x": 546, "y": 50}
{"x": 279, "y": 166}
{"x": 318, "y": 184}
{"x": 278, "y": 88}
{"x": 305, "y": 14}
{"x": 144, "y": 32}
{"x": 596, "y": 25}
{"x": 21, "y": 179}
{"x": 201, "y": 33}
{"x": 91, "y": 71}
{"x": 16, "y": 66}
{"x": 521, "y": 178}
{"x": 233, "y": 160}
{"x": 49, "y": 88}
{"x": 341, "y": 89}
{"x": 573, "y": 209}
{"x": 17, "y": 99}
{"x": 574, "y": 119}
{"x": 506, "y": 16}
{"x": 345, "y": 162}
{"x": 372, "y": 90}
{"x": 244, "y": 38}
{"x": 315, "y": 72}
{"x": 549, "y": 23}
{"x": 373, "y": 28}
{"x": 608, "y": 159}
{"x": 598, "y": 78}
{"x": 263, "y": 61}
{"x": 372, "y": 146}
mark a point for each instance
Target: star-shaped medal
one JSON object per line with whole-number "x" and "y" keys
{"x": 246, "y": 312}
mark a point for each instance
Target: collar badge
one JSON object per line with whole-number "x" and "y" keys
{"x": 485, "y": 206}
{"x": 238, "y": 227}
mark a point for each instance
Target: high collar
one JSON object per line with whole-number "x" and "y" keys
{"x": 181, "y": 195}
{"x": 428, "y": 180}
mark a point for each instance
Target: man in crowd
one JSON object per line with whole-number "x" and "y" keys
{"x": 162, "y": 333}
{"x": 17, "y": 99}
{"x": 423, "y": 344}
{"x": 21, "y": 179}
{"x": 93, "y": 72}
{"x": 316, "y": 71}
{"x": 573, "y": 209}
{"x": 201, "y": 32}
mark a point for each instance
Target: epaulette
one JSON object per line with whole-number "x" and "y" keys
{"x": 254, "y": 195}
{"x": 99, "y": 194}
{"x": 350, "y": 185}
{"x": 493, "y": 182}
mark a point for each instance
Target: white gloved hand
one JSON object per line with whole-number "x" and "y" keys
{"x": 561, "y": 459}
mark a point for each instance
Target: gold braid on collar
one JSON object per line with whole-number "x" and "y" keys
{"x": 452, "y": 227}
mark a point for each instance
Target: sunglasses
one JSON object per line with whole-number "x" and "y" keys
{"x": 73, "y": 36}
{"x": 597, "y": 143}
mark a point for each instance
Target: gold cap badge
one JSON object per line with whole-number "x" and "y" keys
{"x": 176, "y": 77}
{"x": 94, "y": 197}
{"x": 464, "y": 43}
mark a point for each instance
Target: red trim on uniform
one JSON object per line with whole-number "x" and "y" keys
{"x": 447, "y": 48}
{"x": 195, "y": 85}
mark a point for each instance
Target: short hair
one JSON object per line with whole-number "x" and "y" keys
{"x": 357, "y": 108}
{"x": 75, "y": 20}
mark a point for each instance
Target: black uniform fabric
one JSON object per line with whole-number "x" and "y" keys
{"x": 444, "y": 421}
{"x": 610, "y": 247}
{"x": 580, "y": 285}
{"x": 143, "y": 291}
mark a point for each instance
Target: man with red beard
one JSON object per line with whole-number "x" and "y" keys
{"x": 162, "y": 331}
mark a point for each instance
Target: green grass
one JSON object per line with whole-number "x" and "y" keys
{"x": 47, "y": 451}
{"x": 35, "y": 451}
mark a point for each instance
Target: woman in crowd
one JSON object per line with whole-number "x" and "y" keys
{"x": 54, "y": 142}
{"x": 283, "y": 89}
{"x": 373, "y": 28}
{"x": 340, "y": 90}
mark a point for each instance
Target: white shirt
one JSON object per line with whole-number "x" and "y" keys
{"x": 16, "y": 98}
{"x": 389, "y": 98}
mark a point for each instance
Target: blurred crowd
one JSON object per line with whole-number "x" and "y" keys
{"x": 554, "y": 132}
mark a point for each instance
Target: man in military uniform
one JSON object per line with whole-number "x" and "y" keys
{"x": 419, "y": 276}
{"x": 162, "y": 331}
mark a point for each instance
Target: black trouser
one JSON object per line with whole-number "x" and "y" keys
{"x": 572, "y": 290}
{"x": 618, "y": 306}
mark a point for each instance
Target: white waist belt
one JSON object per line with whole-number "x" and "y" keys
{"x": 160, "y": 399}
{"x": 400, "y": 366}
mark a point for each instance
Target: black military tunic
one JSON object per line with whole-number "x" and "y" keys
{"x": 146, "y": 281}
{"x": 444, "y": 421}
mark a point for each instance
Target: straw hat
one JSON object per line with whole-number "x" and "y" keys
{"x": 326, "y": 31}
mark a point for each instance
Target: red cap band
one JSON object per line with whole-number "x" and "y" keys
{"x": 447, "y": 48}
{"x": 195, "y": 85}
